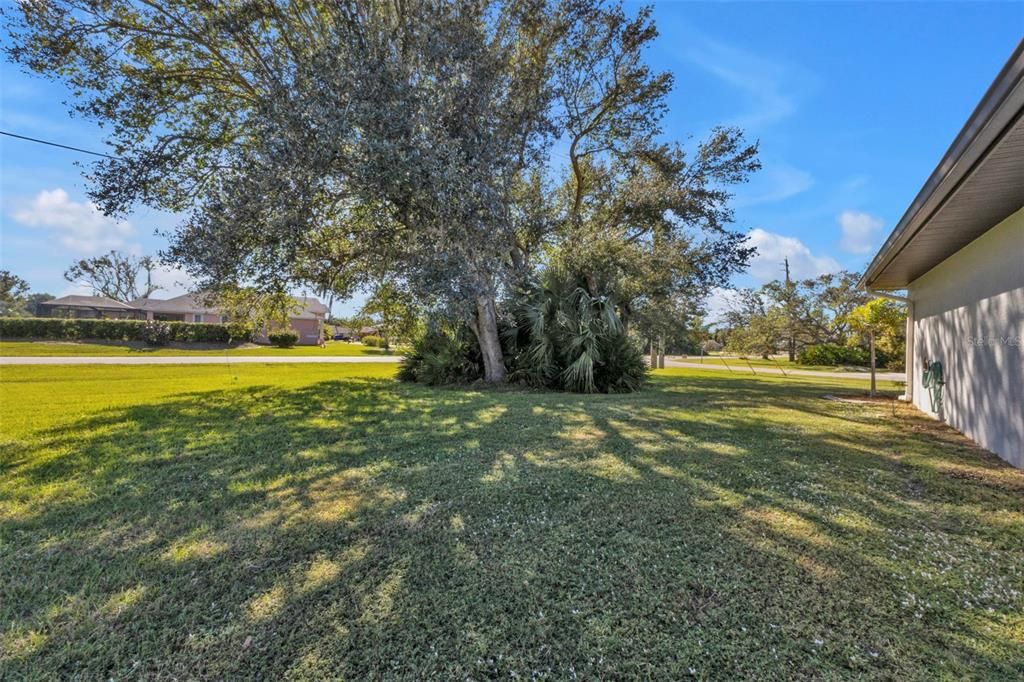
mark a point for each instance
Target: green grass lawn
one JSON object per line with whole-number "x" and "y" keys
{"x": 324, "y": 521}
{"x": 100, "y": 349}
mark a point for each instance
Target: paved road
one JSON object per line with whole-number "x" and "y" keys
{"x": 741, "y": 368}
{"x": 195, "y": 359}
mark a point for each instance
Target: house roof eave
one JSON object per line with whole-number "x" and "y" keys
{"x": 999, "y": 110}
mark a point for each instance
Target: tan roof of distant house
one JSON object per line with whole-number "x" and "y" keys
{"x": 87, "y": 302}
{"x": 187, "y": 303}
{"x": 309, "y": 307}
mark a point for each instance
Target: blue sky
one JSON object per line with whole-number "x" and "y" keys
{"x": 853, "y": 104}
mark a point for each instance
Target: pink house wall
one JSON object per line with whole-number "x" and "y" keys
{"x": 308, "y": 331}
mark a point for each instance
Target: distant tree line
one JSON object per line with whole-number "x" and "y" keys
{"x": 793, "y": 316}
{"x": 120, "y": 276}
{"x": 15, "y": 298}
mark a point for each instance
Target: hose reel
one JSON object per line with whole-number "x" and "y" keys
{"x": 933, "y": 381}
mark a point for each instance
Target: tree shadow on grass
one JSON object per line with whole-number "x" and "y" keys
{"x": 370, "y": 529}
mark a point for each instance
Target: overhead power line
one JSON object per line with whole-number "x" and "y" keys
{"x": 57, "y": 144}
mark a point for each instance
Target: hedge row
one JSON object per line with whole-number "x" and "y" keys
{"x": 113, "y": 330}
{"x": 835, "y": 354}
{"x": 284, "y": 339}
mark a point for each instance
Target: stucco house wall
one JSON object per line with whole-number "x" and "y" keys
{"x": 306, "y": 320}
{"x": 968, "y": 313}
{"x": 204, "y": 318}
{"x": 308, "y": 331}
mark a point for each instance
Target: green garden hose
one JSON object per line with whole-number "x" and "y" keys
{"x": 934, "y": 382}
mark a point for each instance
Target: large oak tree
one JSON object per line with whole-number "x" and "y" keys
{"x": 334, "y": 143}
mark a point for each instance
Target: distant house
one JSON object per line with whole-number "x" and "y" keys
{"x": 711, "y": 346}
{"x": 339, "y": 333}
{"x": 89, "y": 307}
{"x": 306, "y": 320}
{"x": 958, "y": 252}
{"x": 186, "y": 308}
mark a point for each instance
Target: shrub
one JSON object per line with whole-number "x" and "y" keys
{"x": 194, "y": 332}
{"x": 559, "y": 337}
{"x": 156, "y": 333}
{"x": 240, "y": 332}
{"x": 71, "y": 329}
{"x": 834, "y": 353}
{"x": 283, "y": 339}
{"x": 622, "y": 368}
{"x": 33, "y": 327}
{"x": 445, "y": 354}
{"x": 373, "y": 341}
{"x": 565, "y": 338}
{"x": 449, "y": 354}
{"x": 111, "y": 330}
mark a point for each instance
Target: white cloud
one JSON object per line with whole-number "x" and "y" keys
{"x": 719, "y": 302}
{"x": 855, "y": 183}
{"x": 773, "y": 183}
{"x": 172, "y": 282}
{"x": 773, "y": 249}
{"x": 769, "y": 86}
{"x": 859, "y": 231}
{"x": 80, "y": 226}
{"x": 76, "y": 289}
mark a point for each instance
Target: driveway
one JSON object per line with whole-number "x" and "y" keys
{"x": 737, "y": 367}
{"x": 197, "y": 360}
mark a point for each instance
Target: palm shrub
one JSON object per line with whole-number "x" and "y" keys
{"x": 445, "y": 354}
{"x": 557, "y": 336}
{"x": 623, "y": 368}
{"x": 563, "y": 337}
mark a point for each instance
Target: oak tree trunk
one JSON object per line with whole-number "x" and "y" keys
{"x": 486, "y": 329}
